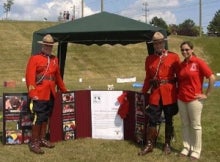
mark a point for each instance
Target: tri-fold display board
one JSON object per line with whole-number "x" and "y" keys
{"x": 16, "y": 118}
{"x": 78, "y": 114}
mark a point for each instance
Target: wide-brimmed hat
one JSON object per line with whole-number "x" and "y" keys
{"x": 48, "y": 40}
{"x": 157, "y": 37}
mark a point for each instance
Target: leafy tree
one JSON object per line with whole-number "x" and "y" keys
{"x": 159, "y": 22}
{"x": 173, "y": 28}
{"x": 214, "y": 25}
{"x": 188, "y": 28}
{"x": 7, "y": 7}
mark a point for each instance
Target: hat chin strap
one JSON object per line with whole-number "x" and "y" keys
{"x": 160, "y": 52}
{"x": 45, "y": 52}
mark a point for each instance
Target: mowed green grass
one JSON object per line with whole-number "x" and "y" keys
{"x": 99, "y": 66}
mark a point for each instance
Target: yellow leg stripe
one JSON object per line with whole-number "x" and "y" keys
{"x": 31, "y": 109}
{"x": 35, "y": 119}
{"x": 31, "y": 106}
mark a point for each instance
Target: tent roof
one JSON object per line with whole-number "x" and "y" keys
{"x": 102, "y": 28}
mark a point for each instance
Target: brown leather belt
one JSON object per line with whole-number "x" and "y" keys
{"x": 50, "y": 77}
{"x": 46, "y": 77}
{"x": 156, "y": 82}
{"x": 165, "y": 81}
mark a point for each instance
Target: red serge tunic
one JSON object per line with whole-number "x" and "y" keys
{"x": 166, "y": 70}
{"x": 38, "y": 66}
{"x": 190, "y": 78}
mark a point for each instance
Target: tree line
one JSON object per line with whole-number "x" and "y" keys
{"x": 188, "y": 27}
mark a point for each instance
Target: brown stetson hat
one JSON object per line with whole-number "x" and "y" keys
{"x": 157, "y": 37}
{"x": 48, "y": 40}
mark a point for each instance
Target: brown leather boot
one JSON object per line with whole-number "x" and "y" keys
{"x": 168, "y": 136}
{"x": 148, "y": 148}
{"x": 34, "y": 144}
{"x": 150, "y": 138}
{"x": 43, "y": 141}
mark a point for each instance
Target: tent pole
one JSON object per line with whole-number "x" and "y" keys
{"x": 61, "y": 54}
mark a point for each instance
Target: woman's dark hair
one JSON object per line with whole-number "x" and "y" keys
{"x": 189, "y": 44}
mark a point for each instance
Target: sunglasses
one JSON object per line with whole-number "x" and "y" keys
{"x": 185, "y": 50}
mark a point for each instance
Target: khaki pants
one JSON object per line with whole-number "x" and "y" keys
{"x": 190, "y": 114}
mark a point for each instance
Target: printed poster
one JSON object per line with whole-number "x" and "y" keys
{"x": 140, "y": 118}
{"x": 106, "y": 123}
{"x": 68, "y": 115}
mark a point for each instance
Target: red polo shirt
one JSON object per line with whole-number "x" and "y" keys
{"x": 190, "y": 78}
{"x": 166, "y": 70}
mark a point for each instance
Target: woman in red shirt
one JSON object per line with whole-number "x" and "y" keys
{"x": 190, "y": 96}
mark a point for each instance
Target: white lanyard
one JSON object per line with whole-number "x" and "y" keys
{"x": 42, "y": 77}
{"x": 158, "y": 66}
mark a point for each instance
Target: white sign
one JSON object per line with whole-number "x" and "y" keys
{"x": 106, "y": 123}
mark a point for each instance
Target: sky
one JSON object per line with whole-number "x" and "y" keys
{"x": 171, "y": 11}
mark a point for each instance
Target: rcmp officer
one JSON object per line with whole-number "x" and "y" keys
{"x": 42, "y": 76}
{"x": 160, "y": 82}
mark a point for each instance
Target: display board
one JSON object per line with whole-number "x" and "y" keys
{"x": 140, "y": 118}
{"x": 136, "y": 120}
{"x": 96, "y": 116}
{"x": 78, "y": 114}
{"x": 16, "y": 118}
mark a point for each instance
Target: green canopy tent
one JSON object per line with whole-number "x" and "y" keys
{"x": 101, "y": 28}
